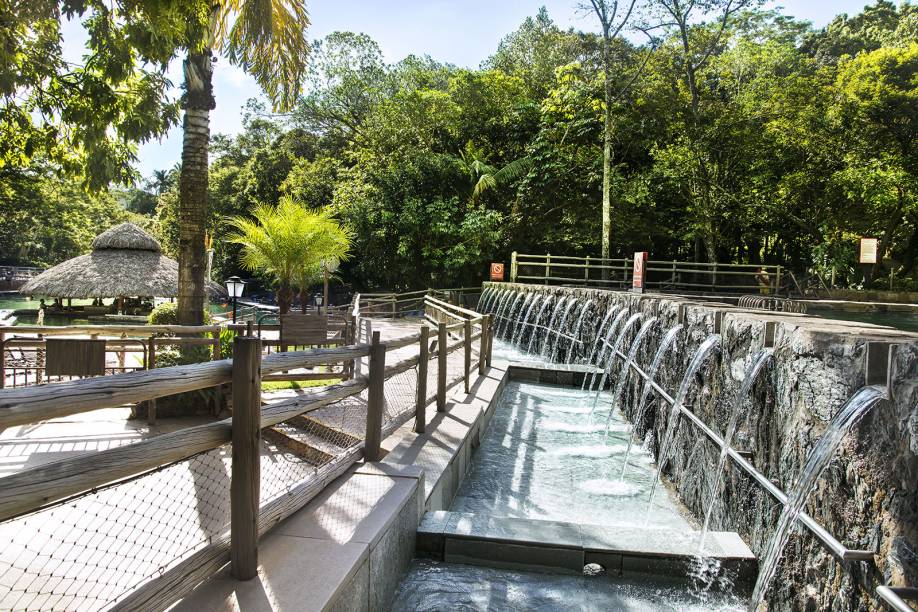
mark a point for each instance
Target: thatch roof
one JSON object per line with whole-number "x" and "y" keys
{"x": 125, "y": 261}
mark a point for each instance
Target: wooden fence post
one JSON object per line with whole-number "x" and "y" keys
{"x": 216, "y": 345}
{"x": 441, "y": 367}
{"x": 513, "y": 267}
{"x": 547, "y": 267}
{"x": 376, "y": 399}
{"x": 489, "y": 325}
{"x": 420, "y": 413}
{"x": 482, "y": 345}
{"x": 245, "y": 484}
{"x": 586, "y": 271}
{"x": 151, "y": 364}
{"x": 467, "y": 338}
{"x": 2, "y": 359}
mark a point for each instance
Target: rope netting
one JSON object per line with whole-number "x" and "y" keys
{"x": 91, "y": 551}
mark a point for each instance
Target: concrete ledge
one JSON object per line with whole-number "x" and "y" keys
{"x": 558, "y": 546}
{"x": 345, "y": 550}
{"x": 571, "y": 375}
{"x": 444, "y": 451}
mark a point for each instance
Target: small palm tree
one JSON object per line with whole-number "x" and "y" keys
{"x": 289, "y": 242}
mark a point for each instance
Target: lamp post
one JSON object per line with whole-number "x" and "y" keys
{"x": 234, "y": 287}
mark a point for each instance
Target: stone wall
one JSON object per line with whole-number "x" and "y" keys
{"x": 867, "y": 499}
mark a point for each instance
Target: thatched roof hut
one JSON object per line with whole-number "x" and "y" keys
{"x": 125, "y": 261}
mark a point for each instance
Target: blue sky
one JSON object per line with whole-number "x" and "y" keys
{"x": 461, "y": 32}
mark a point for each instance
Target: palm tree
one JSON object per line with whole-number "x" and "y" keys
{"x": 267, "y": 39}
{"x": 289, "y": 242}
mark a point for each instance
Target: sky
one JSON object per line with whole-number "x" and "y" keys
{"x": 460, "y": 32}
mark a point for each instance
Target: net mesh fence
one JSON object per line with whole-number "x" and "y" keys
{"x": 93, "y": 550}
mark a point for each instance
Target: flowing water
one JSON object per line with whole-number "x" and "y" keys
{"x": 528, "y": 303}
{"x": 434, "y": 585}
{"x": 707, "y": 347}
{"x": 613, "y": 353}
{"x": 816, "y": 463}
{"x": 551, "y": 324}
{"x": 626, "y": 368}
{"x": 576, "y": 335}
{"x": 538, "y": 460}
{"x": 668, "y": 339}
{"x": 560, "y": 330}
{"x": 752, "y": 372}
{"x": 507, "y": 319}
{"x": 537, "y": 323}
{"x": 606, "y": 342}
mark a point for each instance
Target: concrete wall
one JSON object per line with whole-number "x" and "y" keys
{"x": 868, "y": 498}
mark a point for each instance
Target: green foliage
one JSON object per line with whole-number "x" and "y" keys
{"x": 165, "y": 314}
{"x": 290, "y": 242}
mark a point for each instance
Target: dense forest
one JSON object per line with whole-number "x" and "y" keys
{"x": 782, "y": 144}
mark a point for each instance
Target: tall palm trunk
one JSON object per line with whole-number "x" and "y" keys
{"x": 199, "y": 101}
{"x": 607, "y": 148}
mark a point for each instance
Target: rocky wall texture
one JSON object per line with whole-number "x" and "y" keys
{"x": 867, "y": 499}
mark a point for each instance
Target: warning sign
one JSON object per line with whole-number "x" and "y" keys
{"x": 868, "y": 250}
{"x": 497, "y": 272}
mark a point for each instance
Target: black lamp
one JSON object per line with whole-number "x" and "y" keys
{"x": 234, "y": 288}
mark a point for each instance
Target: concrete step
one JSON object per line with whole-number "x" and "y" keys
{"x": 336, "y": 437}
{"x": 313, "y": 449}
{"x": 518, "y": 543}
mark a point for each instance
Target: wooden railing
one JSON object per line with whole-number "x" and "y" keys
{"x": 391, "y": 305}
{"x": 693, "y": 277}
{"x": 40, "y": 487}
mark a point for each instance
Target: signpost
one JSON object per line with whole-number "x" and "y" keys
{"x": 497, "y": 272}
{"x": 868, "y": 250}
{"x": 640, "y": 269}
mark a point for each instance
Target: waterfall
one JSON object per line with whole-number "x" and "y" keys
{"x": 521, "y": 324}
{"x": 508, "y": 316}
{"x": 707, "y": 347}
{"x": 501, "y": 306}
{"x": 604, "y": 348}
{"x": 626, "y": 368}
{"x": 537, "y": 323}
{"x": 551, "y": 325}
{"x": 613, "y": 353}
{"x": 554, "y": 350}
{"x": 483, "y": 299}
{"x": 611, "y": 311}
{"x": 816, "y": 463}
{"x": 752, "y": 372}
{"x": 576, "y": 335}
{"x": 665, "y": 343}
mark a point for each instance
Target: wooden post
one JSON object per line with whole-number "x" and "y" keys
{"x": 586, "y": 271}
{"x": 2, "y": 359}
{"x": 547, "y": 267}
{"x": 420, "y": 413}
{"x": 376, "y": 399}
{"x": 216, "y": 349}
{"x": 467, "y": 340}
{"x": 245, "y": 484}
{"x": 483, "y": 345}
{"x": 777, "y": 288}
{"x": 513, "y": 267}
{"x": 489, "y": 325}
{"x": 441, "y": 367}
{"x": 151, "y": 364}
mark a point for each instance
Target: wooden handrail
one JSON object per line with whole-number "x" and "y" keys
{"x": 137, "y": 330}
{"x": 466, "y": 311}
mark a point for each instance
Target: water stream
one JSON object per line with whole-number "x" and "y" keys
{"x": 752, "y": 372}
{"x": 816, "y": 463}
{"x": 706, "y": 348}
{"x": 626, "y": 368}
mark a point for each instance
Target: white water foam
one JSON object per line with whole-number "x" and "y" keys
{"x": 605, "y": 486}
{"x": 592, "y": 450}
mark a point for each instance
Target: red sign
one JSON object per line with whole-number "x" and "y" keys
{"x": 497, "y": 272}
{"x": 640, "y": 269}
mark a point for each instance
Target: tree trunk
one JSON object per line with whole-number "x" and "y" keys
{"x": 304, "y": 298}
{"x": 199, "y": 101}
{"x": 607, "y": 149}
{"x": 284, "y": 296}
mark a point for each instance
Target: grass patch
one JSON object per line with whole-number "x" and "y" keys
{"x": 283, "y": 385}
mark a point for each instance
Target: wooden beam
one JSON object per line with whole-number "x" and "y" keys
{"x": 467, "y": 343}
{"x": 420, "y": 411}
{"x": 245, "y": 484}
{"x": 376, "y": 399}
{"x": 442, "y": 354}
